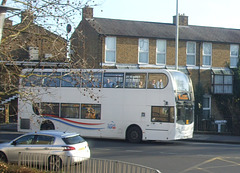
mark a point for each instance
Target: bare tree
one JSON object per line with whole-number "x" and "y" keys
{"x": 34, "y": 35}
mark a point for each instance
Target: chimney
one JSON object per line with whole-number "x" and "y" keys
{"x": 183, "y": 20}
{"x": 87, "y": 12}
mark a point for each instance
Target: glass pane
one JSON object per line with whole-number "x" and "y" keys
{"x": 70, "y": 110}
{"x": 191, "y": 47}
{"x": 110, "y": 56}
{"x": 113, "y": 80}
{"x": 143, "y": 45}
{"x": 161, "y": 59}
{"x": 135, "y": 80}
{"x": 218, "y": 79}
{"x": 161, "y": 46}
{"x": 190, "y": 59}
{"x": 228, "y": 79}
{"x": 44, "y": 140}
{"x": 157, "y": 80}
{"x": 206, "y": 60}
{"x": 25, "y": 140}
{"x": 50, "y": 109}
{"x": 32, "y": 79}
{"x": 143, "y": 57}
{"x": 207, "y": 49}
{"x": 233, "y": 61}
{"x": 70, "y": 80}
{"x": 228, "y": 89}
{"x": 91, "y": 111}
{"x": 218, "y": 89}
{"x": 51, "y": 79}
{"x": 91, "y": 80}
{"x": 162, "y": 114}
{"x": 181, "y": 81}
{"x": 110, "y": 43}
{"x": 234, "y": 50}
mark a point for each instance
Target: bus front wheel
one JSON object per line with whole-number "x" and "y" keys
{"x": 134, "y": 134}
{"x": 47, "y": 125}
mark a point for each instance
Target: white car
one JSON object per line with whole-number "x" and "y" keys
{"x": 56, "y": 148}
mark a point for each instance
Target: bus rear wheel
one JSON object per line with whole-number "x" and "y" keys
{"x": 134, "y": 134}
{"x": 47, "y": 125}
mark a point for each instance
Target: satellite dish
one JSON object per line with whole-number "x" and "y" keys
{"x": 69, "y": 28}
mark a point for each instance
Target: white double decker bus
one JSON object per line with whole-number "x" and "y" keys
{"x": 132, "y": 104}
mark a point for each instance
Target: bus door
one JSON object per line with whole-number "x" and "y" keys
{"x": 161, "y": 124}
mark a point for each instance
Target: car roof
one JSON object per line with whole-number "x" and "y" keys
{"x": 54, "y": 133}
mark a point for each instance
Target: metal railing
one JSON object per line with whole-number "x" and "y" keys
{"x": 62, "y": 164}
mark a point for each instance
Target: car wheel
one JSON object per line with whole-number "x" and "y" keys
{"x": 54, "y": 163}
{"x": 134, "y": 134}
{"x": 3, "y": 157}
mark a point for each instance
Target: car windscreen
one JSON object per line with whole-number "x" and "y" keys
{"x": 73, "y": 140}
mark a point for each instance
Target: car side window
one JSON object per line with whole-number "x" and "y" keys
{"x": 25, "y": 140}
{"x": 44, "y": 140}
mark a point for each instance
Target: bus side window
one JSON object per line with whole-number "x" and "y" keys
{"x": 50, "y": 109}
{"x": 51, "y": 79}
{"x": 32, "y": 79}
{"x": 91, "y": 80}
{"x": 135, "y": 80}
{"x": 113, "y": 80}
{"x": 91, "y": 111}
{"x": 70, "y": 80}
{"x": 157, "y": 80}
{"x": 70, "y": 110}
{"x": 162, "y": 114}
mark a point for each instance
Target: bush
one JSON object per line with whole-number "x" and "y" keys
{"x": 8, "y": 168}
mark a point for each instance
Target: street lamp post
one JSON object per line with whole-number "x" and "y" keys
{"x": 176, "y": 37}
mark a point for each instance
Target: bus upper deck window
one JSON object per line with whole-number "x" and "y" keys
{"x": 157, "y": 80}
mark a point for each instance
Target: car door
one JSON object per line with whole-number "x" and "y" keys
{"x": 20, "y": 145}
{"x": 41, "y": 147}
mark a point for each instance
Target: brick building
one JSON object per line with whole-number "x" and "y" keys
{"x": 24, "y": 45}
{"x": 207, "y": 54}
{"x": 27, "y": 41}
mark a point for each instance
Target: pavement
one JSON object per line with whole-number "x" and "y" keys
{"x": 6, "y": 129}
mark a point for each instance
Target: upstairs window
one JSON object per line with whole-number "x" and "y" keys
{"x": 191, "y": 53}
{"x": 207, "y": 54}
{"x": 143, "y": 51}
{"x": 222, "y": 82}
{"x": 161, "y": 52}
{"x": 110, "y": 49}
{"x": 234, "y": 49}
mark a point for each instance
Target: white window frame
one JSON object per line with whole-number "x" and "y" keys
{"x": 111, "y": 48}
{"x": 234, "y": 55}
{"x": 141, "y": 50}
{"x": 161, "y": 53}
{"x": 209, "y": 105}
{"x": 191, "y": 54}
{"x": 206, "y": 54}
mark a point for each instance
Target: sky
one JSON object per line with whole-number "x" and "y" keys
{"x": 216, "y": 13}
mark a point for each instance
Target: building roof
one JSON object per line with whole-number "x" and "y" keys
{"x": 140, "y": 29}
